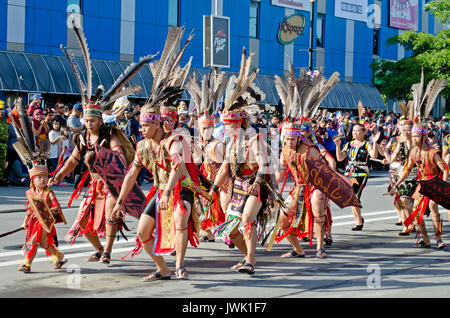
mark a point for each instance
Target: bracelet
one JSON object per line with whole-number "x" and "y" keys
{"x": 166, "y": 193}
{"x": 215, "y": 188}
{"x": 120, "y": 202}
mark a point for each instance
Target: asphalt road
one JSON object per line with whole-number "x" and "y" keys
{"x": 375, "y": 262}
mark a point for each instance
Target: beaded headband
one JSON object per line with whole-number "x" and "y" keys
{"x": 92, "y": 110}
{"x": 234, "y": 116}
{"x": 150, "y": 117}
{"x": 37, "y": 171}
{"x": 420, "y": 130}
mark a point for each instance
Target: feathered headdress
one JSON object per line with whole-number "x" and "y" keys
{"x": 94, "y": 104}
{"x": 32, "y": 154}
{"x": 168, "y": 76}
{"x": 407, "y": 109}
{"x": 241, "y": 92}
{"x": 302, "y": 96}
{"x": 423, "y": 101}
{"x": 207, "y": 96}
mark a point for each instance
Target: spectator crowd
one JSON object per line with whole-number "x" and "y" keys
{"x": 59, "y": 122}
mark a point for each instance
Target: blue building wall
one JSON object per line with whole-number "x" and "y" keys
{"x": 46, "y": 30}
{"x": 3, "y": 19}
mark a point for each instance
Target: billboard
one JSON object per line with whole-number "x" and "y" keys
{"x": 351, "y": 9}
{"x": 404, "y": 14}
{"x": 304, "y": 5}
{"x": 216, "y": 41}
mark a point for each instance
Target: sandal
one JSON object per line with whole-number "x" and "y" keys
{"x": 155, "y": 276}
{"x": 422, "y": 244}
{"x": 183, "y": 270}
{"x": 94, "y": 257}
{"x": 440, "y": 244}
{"x": 293, "y": 254}
{"x": 25, "y": 268}
{"x": 207, "y": 239}
{"x": 106, "y": 258}
{"x": 238, "y": 265}
{"x": 60, "y": 264}
{"x": 247, "y": 268}
{"x": 321, "y": 253}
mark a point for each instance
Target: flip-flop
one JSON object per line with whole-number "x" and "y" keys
{"x": 238, "y": 265}
{"x": 94, "y": 257}
{"x": 321, "y": 253}
{"x": 293, "y": 254}
{"x": 247, "y": 269}
{"x": 106, "y": 258}
{"x": 422, "y": 244}
{"x": 60, "y": 264}
{"x": 440, "y": 244}
{"x": 156, "y": 276}
{"x": 183, "y": 270}
{"x": 25, "y": 268}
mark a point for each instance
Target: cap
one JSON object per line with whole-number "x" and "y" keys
{"x": 37, "y": 96}
{"x": 78, "y": 106}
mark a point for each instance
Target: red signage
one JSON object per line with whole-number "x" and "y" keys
{"x": 404, "y": 14}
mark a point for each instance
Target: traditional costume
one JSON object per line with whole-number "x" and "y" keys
{"x": 400, "y": 147}
{"x": 43, "y": 209}
{"x": 103, "y": 183}
{"x": 207, "y": 98}
{"x": 301, "y": 98}
{"x": 425, "y": 161}
{"x": 244, "y": 165}
{"x": 169, "y": 78}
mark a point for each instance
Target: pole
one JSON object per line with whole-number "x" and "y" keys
{"x": 312, "y": 38}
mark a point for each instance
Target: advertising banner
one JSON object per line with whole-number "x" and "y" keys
{"x": 304, "y": 5}
{"x": 404, "y": 14}
{"x": 351, "y": 9}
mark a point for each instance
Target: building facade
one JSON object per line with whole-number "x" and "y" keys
{"x": 348, "y": 34}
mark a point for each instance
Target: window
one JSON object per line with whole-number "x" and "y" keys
{"x": 254, "y": 19}
{"x": 376, "y": 42}
{"x": 320, "y": 29}
{"x": 174, "y": 12}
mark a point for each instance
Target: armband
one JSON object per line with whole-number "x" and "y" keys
{"x": 215, "y": 188}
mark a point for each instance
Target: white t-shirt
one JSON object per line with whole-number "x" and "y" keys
{"x": 53, "y": 147}
{"x": 65, "y": 143}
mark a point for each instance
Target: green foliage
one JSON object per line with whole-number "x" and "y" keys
{"x": 440, "y": 9}
{"x": 432, "y": 53}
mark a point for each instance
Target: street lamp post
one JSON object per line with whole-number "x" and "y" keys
{"x": 312, "y": 37}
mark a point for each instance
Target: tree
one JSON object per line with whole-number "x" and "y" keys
{"x": 432, "y": 53}
{"x": 440, "y": 9}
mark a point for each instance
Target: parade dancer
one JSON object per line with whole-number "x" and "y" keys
{"x": 427, "y": 160}
{"x": 397, "y": 153}
{"x": 94, "y": 214}
{"x": 43, "y": 209}
{"x": 246, "y": 163}
{"x": 170, "y": 218}
{"x": 358, "y": 152}
{"x": 307, "y": 206}
{"x": 430, "y": 164}
{"x": 209, "y": 152}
